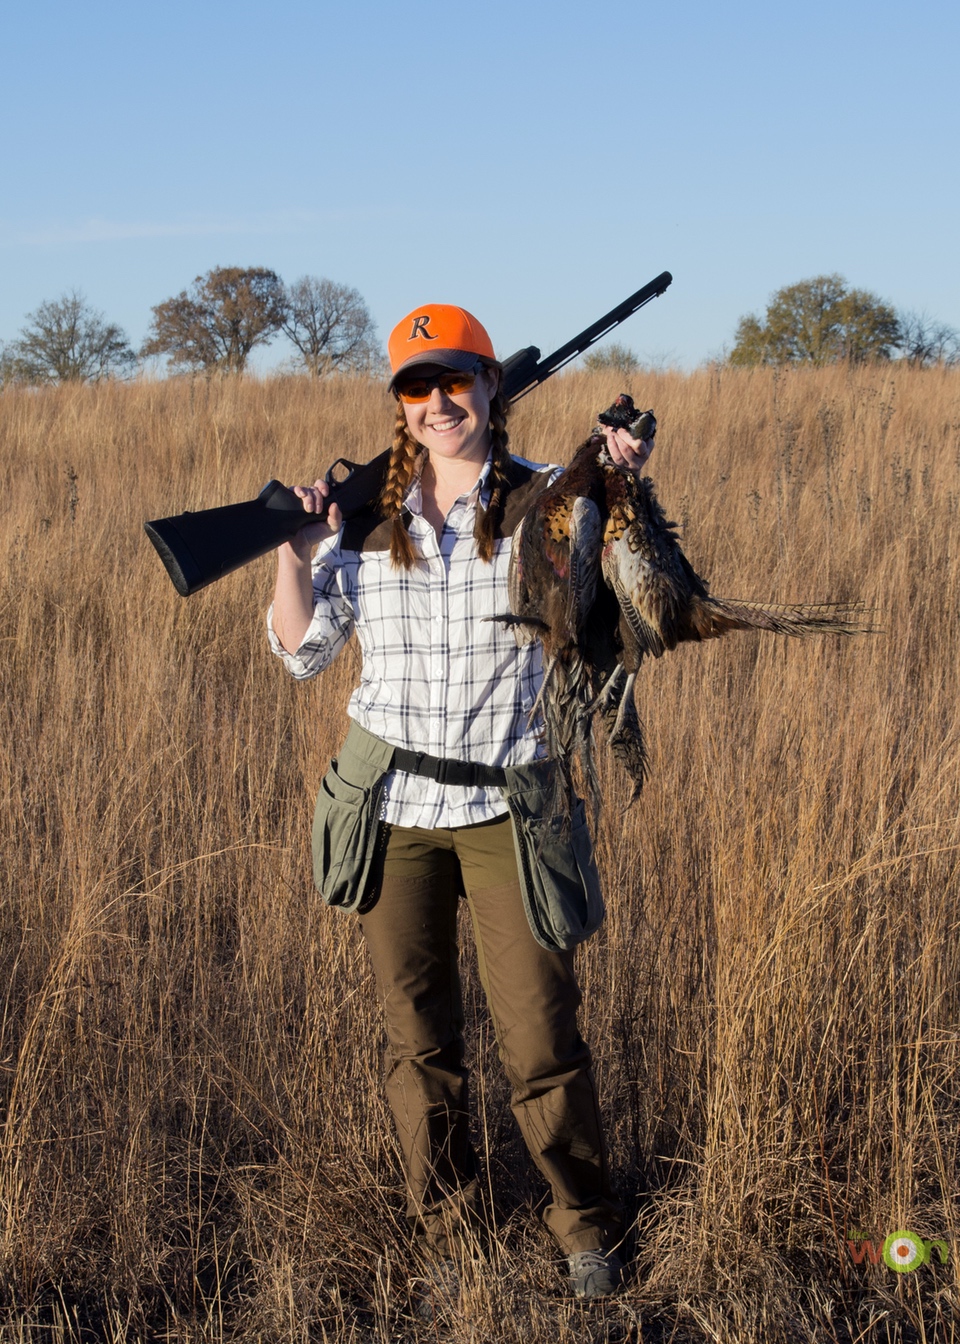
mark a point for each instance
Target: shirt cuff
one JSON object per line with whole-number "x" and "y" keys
{"x": 314, "y": 653}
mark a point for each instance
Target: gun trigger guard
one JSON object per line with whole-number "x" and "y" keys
{"x": 351, "y": 467}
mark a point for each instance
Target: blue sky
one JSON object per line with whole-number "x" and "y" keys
{"x": 534, "y": 162}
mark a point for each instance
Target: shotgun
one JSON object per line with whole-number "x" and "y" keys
{"x": 199, "y": 548}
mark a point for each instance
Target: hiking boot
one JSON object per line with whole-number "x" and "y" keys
{"x": 595, "y": 1273}
{"x": 437, "y": 1291}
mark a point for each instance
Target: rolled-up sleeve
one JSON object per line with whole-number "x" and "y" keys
{"x": 332, "y": 623}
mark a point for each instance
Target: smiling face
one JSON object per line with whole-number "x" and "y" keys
{"x": 456, "y": 426}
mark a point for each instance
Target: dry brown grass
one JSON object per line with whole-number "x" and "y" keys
{"x": 194, "y": 1145}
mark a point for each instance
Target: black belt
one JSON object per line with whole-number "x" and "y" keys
{"x": 446, "y": 771}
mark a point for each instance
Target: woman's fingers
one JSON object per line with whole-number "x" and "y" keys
{"x": 627, "y": 452}
{"x": 312, "y": 495}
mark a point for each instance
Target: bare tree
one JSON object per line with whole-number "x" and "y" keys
{"x": 925, "y": 340}
{"x": 613, "y": 358}
{"x": 67, "y": 341}
{"x": 330, "y": 326}
{"x": 215, "y": 325}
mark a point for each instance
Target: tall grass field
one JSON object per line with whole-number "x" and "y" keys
{"x": 194, "y": 1145}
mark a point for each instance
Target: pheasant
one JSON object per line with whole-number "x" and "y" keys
{"x": 598, "y": 576}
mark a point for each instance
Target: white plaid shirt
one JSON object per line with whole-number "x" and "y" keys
{"x": 436, "y": 676}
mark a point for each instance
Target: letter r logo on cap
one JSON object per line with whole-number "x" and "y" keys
{"x": 420, "y": 325}
{"x": 438, "y": 333}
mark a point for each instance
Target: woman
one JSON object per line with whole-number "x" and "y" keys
{"x": 445, "y": 695}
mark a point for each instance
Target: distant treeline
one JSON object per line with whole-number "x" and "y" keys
{"x": 215, "y": 325}
{"x": 211, "y": 328}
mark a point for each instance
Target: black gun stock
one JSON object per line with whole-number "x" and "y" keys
{"x": 199, "y": 548}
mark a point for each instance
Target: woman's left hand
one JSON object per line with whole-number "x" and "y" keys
{"x": 629, "y": 453}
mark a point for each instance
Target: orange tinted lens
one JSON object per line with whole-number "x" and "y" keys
{"x": 452, "y": 383}
{"x": 449, "y": 384}
{"x": 419, "y": 391}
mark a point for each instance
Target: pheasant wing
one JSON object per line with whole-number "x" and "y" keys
{"x": 634, "y": 584}
{"x": 554, "y": 570}
{"x": 586, "y": 533}
{"x": 643, "y": 564}
{"x": 522, "y": 620}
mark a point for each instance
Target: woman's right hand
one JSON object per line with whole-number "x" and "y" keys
{"x": 293, "y": 596}
{"x": 313, "y": 496}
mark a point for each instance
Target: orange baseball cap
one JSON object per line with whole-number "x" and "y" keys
{"x": 439, "y": 334}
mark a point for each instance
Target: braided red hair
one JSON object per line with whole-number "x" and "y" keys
{"x": 403, "y": 457}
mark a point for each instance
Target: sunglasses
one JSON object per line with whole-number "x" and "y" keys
{"x": 450, "y": 384}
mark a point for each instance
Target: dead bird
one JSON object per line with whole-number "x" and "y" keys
{"x": 597, "y": 574}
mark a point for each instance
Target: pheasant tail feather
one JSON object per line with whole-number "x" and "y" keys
{"x": 714, "y": 616}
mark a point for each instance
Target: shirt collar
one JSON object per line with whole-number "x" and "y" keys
{"x": 413, "y": 500}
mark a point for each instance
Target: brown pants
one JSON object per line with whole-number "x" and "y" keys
{"x": 533, "y": 997}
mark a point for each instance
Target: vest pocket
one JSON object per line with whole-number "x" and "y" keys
{"x": 558, "y": 873}
{"x": 345, "y": 830}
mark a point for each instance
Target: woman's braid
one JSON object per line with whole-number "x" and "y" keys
{"x": 487, "y": 519}
{"x": 403, "y": 455}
